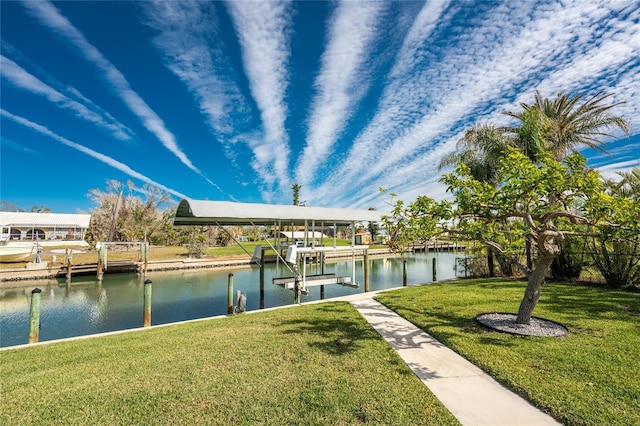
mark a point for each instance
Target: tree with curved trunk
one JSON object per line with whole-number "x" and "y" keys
{"x": 545, "y": 201}
{"x": 545, "y": 127}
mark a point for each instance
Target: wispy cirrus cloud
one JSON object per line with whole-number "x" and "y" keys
{"x": 10, "y": 143}
{"x": 190, "y": 45}
{"x": 613, "y": 170}
{"x": 264, "y": 30}
{"x": 21, "y": 79}
{"x": 427, "y": 107}
{"x": 352, "y": 30}
{"x": 88, "y": 151}
{"x": 50, "y": 16}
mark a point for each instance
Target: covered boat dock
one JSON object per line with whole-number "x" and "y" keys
{"x": 225, "y": 213}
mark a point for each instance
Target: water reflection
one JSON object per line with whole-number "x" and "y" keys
{"x": 84, "y": 306}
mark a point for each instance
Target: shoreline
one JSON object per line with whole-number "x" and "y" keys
{"x": 45, "y": 271}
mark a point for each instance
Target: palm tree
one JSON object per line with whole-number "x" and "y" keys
{"x": 617, "y": 255}
{"x": 629, "y": 184}
{"x": 480, "y": 149}
{"x": 563, "y": 125}
{"x": 545, "y": 128}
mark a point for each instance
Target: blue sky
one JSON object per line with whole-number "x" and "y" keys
{"x": 237, "y": 101}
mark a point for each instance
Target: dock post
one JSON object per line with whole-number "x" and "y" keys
{"x": 146, "y": 316}
{"x": 262, "y": 278}
{"x": 404, "y": 273}
{"x": 101, "y": 253}
{"x": 145, "y": 258}
{"x": 230, "y": 295}
{"x": 435, "y": 272}
{"x": 297, "y": 290}
{"x": 34, "y": 316}
{"x": 68, "y": 257}
{"x": 366, "y": 271}
{"x": 322, "y": 259}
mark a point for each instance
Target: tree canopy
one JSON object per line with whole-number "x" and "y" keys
{"x": 515, "y": 186}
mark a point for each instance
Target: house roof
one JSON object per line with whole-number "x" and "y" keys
{"x": 28, "y": 219}
{"x": 204, "y": 212}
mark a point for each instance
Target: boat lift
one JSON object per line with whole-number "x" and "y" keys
{"x": 220, "y": 213}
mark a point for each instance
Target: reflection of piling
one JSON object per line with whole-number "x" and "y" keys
{"x": 366, "y": 271}
{"x": 404, "y": 273}
{"x": 435, "y": 272}
{"x": 230, "y": 295}
{"x": 146, "y": 316}
{"x": 34, "y": 316}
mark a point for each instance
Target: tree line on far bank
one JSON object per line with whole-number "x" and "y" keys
{"x": 127, "y": 213}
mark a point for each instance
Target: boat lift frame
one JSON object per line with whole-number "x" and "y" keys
{"x": 220, "y": 213}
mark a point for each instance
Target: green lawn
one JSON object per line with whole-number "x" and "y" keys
{"x": 307, "y": 365}
{"x": 589, "y": 377}
{"x": 323, "y": 364}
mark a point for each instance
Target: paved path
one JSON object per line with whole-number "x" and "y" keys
{"x": 470, "y": 394}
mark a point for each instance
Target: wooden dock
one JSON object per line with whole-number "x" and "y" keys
{"x": 438, "y": 248}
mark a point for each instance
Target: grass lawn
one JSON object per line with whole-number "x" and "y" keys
{"x": 315, "y": 364}
{"x": 589, "y": 377}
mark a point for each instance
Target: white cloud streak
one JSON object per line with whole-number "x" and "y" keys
{"x": 351, "y": 33}
{"x": 420, "y": 107}
{"x": 190, "y": 46}
{"x": 50, "y": 16}
{"x": 88, "y": 151}
{"x": 611, "y": 171}
{"x": 263, "y": 29}
{"x": 21, "y": 79}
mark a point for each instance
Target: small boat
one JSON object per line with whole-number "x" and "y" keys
{"x": 11, "y": 253}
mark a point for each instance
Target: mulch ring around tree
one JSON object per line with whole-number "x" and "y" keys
{"x": 506, "y": 323}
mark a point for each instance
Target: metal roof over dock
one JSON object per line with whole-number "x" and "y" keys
{"x": 205, "y": 212}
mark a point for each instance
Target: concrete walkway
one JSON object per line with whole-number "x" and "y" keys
{"x": 470, "y": 394}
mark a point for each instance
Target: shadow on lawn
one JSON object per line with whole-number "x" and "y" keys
{"x": 339, "y": 331}
{"x": 569, "y": 300}
{"x": 572, "y": 298}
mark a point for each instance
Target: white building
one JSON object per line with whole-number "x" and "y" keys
{"x": 48, "y": 228}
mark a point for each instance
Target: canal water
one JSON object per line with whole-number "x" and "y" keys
{"x": 88, "y": 307}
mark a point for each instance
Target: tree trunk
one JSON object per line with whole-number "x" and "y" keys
{"x": 535, "y": 279}
{"x": 529, "y": 254}
{"x": 490, "y": 263}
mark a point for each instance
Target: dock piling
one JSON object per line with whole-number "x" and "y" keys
{"x": 102, "y": 251}
{"x": 34, "y": 316}
{"x": 68, "y": 260}
{"x": 262, "y": 278}
{"x": 404, "y": 273}
{"x": 146, "y": 317}
{"x": 230, "y": 295}
{"x": 435, "y": 272}
{"x": 366, "y": 271}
